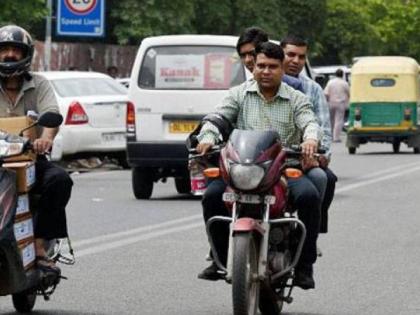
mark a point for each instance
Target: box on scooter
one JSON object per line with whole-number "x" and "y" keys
{"x": 14, "y": 125}
{"x": 25, "y": 174}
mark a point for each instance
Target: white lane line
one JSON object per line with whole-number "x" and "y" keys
{"x": 137, "y": 230}
{"x": 388, "y": 170}
{"x": 165, "y": 231}
{"x": 124, "y": 242}
{"x": 378, "y": 179}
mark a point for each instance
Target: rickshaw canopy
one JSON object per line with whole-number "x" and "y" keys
{"x": 385, "y": 79}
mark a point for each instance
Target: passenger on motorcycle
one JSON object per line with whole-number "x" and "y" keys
{"x": 20, "y": 92}
{"x": 247, "y": 41}
{"x": 295, "y": 51}
{"x": 265, "y": 104}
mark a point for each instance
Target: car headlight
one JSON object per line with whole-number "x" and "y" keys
{"x": 246, "y": 177}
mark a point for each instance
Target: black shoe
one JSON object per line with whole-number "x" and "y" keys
{"x": 304, "y": 279}
{"x": 211, "y": 273}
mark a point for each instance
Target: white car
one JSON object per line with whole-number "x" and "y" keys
{"x": 94, "y": 108}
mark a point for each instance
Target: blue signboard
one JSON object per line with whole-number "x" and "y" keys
{"x": 81, "y": 18}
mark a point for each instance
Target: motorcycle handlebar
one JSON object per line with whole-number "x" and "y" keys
{"x": 194, "y": 154}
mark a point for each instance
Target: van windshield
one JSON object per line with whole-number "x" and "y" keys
{"x": 191, "y": 67}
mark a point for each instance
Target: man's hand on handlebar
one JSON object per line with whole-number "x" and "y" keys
{"x": 309, "y": 147}
{"x": 203, "y": 148}
{"x": 42, "y": 145}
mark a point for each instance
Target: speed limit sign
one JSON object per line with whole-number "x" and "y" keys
{"x": 81, "y": 18}
{"x": 80, "y": 6}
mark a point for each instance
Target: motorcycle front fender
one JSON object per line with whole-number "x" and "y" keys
{"x": 247, "y": 225}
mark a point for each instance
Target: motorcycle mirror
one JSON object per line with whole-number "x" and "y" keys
{"x": 48, "y": 119}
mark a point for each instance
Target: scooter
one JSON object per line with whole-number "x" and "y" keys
{"x": 19, "y": 276}
{"x": 266, "y": 237}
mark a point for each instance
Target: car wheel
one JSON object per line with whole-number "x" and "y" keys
{"x": 416, "y": 150}
{"x": 122, "y": 160}
{"x": 183, "y": 185}
{"x": 352, "y": 150}
{"x": 142, "y": 182}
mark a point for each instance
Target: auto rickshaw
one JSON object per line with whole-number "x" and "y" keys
{"x": 384, "y": 103}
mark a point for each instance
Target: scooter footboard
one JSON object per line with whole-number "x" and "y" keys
{"x": 12, "y": 274}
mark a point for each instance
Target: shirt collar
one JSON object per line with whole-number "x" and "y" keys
{"x": 252, "y": 87}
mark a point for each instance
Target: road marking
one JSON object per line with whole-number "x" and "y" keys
{"x": 378, "y": 179}
{"x": 166, "y": 229}
{"x": 124, "y": 242}
{"x": 142, "y": 229}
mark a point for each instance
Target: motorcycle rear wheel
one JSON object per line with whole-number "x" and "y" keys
{"x": 245, "y": 283}
{"x": 24, "y": 302}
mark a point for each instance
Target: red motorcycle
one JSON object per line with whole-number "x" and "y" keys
{"x": 266, "y": 238}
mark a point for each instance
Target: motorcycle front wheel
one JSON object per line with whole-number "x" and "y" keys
{"x": 24, "y": 302}
{"x": 245, "y": 282}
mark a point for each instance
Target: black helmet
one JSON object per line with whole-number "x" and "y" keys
{"x": 12, "y": 35}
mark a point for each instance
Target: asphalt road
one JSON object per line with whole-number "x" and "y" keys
{"x": 142, "y": 257}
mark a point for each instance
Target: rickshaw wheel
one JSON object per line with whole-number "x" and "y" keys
{"x": 352, "y": 150}
{"x": 396, "y": 146}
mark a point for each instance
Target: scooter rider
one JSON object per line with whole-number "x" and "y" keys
{"x": 263, "y": 104}
{"x": 20, "y": 92}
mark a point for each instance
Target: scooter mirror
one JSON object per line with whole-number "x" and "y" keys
{"x": 50, "y": 120}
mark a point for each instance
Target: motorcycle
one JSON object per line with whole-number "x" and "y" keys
{"x": 19, "y": 275}
{"x": 266, "y": 238}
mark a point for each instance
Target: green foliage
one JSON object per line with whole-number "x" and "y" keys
{"x": 136, "y": 19}
{"x": 23, "y": 12}
{"x": 337, "y": 30}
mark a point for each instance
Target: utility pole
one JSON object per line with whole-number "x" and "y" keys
{"x": 47, "y": 45}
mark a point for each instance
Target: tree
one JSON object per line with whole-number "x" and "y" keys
{"x": 24, "y": 13}
{"x": 347, "y": 33}
{"x": 136, "y": 19}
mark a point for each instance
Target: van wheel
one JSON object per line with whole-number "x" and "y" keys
{"x": 142, "y": 182}
{"x": 352, "y": 150}
{"x": 183, "y": 185}
{"x": 396, "y": 146}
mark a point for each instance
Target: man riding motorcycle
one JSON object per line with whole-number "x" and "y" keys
{"x": 266, "y": 104}
{"x": 21, "y": 92}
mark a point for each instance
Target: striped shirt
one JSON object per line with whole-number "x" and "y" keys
{"x": 316, "y": 95}
{"x": 289, "y": 113}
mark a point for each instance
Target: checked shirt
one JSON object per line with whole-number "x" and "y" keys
{"x": 290, "y": 113}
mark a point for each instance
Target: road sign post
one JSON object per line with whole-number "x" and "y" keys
{"x": 81, "y": 18}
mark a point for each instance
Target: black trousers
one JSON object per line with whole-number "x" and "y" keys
{"x": 328, "y": 198}
{"x": 52, "y": 191}
{"x": 305, "y": 197}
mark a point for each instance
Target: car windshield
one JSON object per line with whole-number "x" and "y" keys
{"x": 87, "y": 87}
{"x": 191, "y": 67}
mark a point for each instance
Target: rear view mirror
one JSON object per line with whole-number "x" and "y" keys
{"x": 50, "y": 120}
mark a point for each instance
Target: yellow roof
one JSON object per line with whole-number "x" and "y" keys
{"x": 385, "y": 65}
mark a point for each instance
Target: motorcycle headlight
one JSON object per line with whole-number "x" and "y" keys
{"x": 246, "y": 177}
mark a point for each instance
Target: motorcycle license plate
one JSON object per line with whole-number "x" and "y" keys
{"x": 245, "y": 198}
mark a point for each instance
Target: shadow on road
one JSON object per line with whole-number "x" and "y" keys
{"x": 57, "y": 312}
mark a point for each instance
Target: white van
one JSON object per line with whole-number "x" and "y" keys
{"x": 175, "y": 81}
